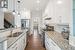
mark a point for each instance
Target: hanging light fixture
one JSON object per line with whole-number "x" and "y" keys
{"x": 18, "y": 7}
{"x": 18, "y": 14}
{"x": 18, "y": 1}
{"x": 14, "y": 12}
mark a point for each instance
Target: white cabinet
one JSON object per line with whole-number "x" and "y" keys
{"x": 19, "y": 44}
{"x": 1, "y": 46}
{"x": 1, "y": 19}
{"x": 22, "y": 43}
{"x": 12, "y": 5}
{"x": 50, "y": 44}
{"x": 13, "y": 47}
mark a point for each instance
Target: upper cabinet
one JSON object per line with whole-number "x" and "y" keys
{"x": 1, "y": 20}
{"x": 59, "y": 11}
{"x": 11, "y": 5}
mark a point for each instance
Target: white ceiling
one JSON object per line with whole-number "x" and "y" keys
{"x": 33, "y": 5}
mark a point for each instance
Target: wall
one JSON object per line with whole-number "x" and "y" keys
{"x": 1, "y": 19}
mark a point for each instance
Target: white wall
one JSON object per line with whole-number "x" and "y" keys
{"x": 1, "y": 19}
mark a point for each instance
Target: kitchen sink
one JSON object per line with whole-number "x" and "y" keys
{"x": 15, "y": 34}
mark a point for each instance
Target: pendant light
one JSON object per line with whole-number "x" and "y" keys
{"x": 18, "y": 7}
{"x": 14, "y": 12}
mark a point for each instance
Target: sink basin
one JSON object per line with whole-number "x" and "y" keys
{"x": 15, "y": 34}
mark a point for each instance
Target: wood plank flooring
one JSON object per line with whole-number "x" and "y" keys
{"x": 34, "y": 43}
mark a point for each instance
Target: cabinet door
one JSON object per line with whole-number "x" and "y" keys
{"x": 1, "y": 46}
{"x": 25, "y": 39}
{"x": 54, "y": 46}
{"x": 10, "y": 5}
{"x": 50, "y": 44}
{"x": 13, "y": 48}
{"x": 20, "y": 44}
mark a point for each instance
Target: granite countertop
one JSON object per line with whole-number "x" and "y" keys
{"x": 2, "y": 39}
{"x": 11, "y": 40}
{"x": 59, "y": 40}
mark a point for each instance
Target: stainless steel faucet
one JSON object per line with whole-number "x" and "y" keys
{"x": 11, "y": 29}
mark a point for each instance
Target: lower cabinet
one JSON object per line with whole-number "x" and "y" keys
{"x": 19, "y": 44}
{"x": 50, "y": 44}
{"x": 1, "y": 46}
{"x": 13, "y": 47}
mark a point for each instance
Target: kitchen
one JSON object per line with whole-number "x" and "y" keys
{"x": 51, "y": 21}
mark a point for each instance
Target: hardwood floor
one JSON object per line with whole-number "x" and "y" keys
{"x": 34, "y": 43}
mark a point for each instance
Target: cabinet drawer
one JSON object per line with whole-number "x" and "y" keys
{"x": 50, "y": 44}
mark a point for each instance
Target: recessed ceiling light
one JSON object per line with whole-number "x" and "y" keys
{"x": 38, "y": 1}
{"x": 59, "y": 2}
